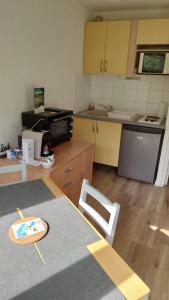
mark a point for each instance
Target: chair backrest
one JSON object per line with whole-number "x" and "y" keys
{"x": 19, "y": 167}
{"x": 113, "y": 209}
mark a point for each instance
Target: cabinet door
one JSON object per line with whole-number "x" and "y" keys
{"x": 94, "y": 47}
{"x": 84, "y": 130}
{"x": 108, "y": 137}
{"x": 117, "y": 47}
{"x": 153, "y": 32}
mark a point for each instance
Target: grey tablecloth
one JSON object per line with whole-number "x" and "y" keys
{"x": 70, "y": 272}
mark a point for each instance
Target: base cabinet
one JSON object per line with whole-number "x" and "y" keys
{"x": 69, "y": 178}
{"x": 104, "y": 135}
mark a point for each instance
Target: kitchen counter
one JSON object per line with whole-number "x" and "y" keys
{"x": 133, "y": 121}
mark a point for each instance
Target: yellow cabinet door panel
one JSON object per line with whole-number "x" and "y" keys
{"x": 153, "y": 32}
{"x": 84, "y": 130}
{"x": 94, "y": 47}
{"x": 108, "y": 136}
{"x": 117, "y": 47}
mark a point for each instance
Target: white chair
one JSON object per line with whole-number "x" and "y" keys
{"x": 113, "y": 209}
{"x": 19, "y": 167}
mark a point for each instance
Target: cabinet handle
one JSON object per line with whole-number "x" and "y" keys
{"x": 101, "y": 66}
{"x": 97, "y": 129}
{"x": 67, "y": 184}
{"x": 68, "y": 170}
{"x": 93, "y": 126}
{"x": 105, "y": 65}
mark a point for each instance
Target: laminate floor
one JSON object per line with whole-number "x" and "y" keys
{"x": 142, "y": 234}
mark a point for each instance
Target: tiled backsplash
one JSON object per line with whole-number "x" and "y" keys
{"x": 82, "y": 92}
{"x": 140, "y": 95}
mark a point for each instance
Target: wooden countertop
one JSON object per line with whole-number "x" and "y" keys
{"x": 64, "y": 153}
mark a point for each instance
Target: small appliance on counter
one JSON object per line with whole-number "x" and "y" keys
{"x": 57, "y": 122}
{"x": 41, "y": 140}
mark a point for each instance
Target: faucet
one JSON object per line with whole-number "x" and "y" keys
{"x": 107, "y": 107}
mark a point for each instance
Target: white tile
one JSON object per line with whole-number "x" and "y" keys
{"x": 157, "y": 82}
{"x": 118, "y": 93}
{"x": 154, "y": 96}
{"x": 152, "y": 109}
{"x": 107, "y": 81}
{"x": 96, "y": 80}
{"x": 140, "y": 108}
{"x": 145, "y": 77}
{"x": 142, "y": 95}
{"x": 119, "y": 82}
{"x": 128, "y": 105}
{"x": 95, "y": 91}
{"x": 165, "y": 96}
{"x": 143, "y": 84}
{"x": 118, "y": 105}
{"x": 130, "y": 95}
{"x": 86, "y": 80}
{"x": 166, "y": 83}
{"x": 106, "y": 92}
{"x": 130, "y": 83}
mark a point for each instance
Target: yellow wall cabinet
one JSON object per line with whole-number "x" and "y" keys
{"x": 106, "y": 46}
{"x": 105, "y": 135}
{"x": 153, "y": 32}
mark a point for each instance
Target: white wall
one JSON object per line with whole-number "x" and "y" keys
{"x": 41, "y": 44}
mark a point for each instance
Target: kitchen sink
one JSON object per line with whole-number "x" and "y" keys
{"x": 115, "y": 114}
{"x": 98, "y": 113}
{"x": 122, "y": 115}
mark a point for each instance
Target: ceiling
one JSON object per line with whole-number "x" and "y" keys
{"x": 103, "y": 5}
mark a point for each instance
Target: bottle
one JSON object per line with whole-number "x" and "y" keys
{"x": 45, "y": 150}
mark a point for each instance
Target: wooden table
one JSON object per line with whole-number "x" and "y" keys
{"x": 122, "y": 276}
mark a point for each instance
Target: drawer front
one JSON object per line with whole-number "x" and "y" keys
{"x": 71, "y": 188}
{"x": 69, "y": 178}
{"x": 67, "y": 172}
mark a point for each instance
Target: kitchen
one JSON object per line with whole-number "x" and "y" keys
{"x": 139, "y": 95}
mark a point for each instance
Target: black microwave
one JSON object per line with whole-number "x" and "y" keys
{"x": 57, "y": 122}
{"x": 153, "y": 62}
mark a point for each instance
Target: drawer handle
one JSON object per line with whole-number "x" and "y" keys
{"x": 97, "y": 129}
{"x": 105, "y": 66}
{"x": 101, "y": 66}
{"x": 68, "y": 170}
{"x": 93, "y": 126}
{"x": 67, "y": 184}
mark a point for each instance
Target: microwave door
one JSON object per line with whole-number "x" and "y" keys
{"x": 152, "y": 62}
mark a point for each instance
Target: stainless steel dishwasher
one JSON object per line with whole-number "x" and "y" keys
{"x": 139, "y": 152}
